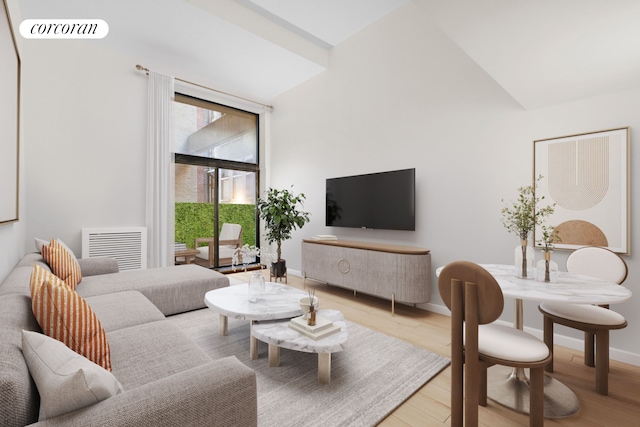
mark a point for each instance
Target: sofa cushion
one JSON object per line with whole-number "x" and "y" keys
{"x": 66, "y": 381}
{"x": 174, "y": 289}
{"x": 64, "y": 315}
{"x": 32, "y": 258}
{"x": 151, "y": 351}
{"x": 219, "y": 393}
{"x": 225, "y": 252}
{"x": 123, "y": 309}
{"x": 98, "y": 265}
{"x": 17, "y": 282}
{"x": 62, "y": 262}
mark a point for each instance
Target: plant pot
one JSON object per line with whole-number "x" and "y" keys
{"x": 279, "y": 268}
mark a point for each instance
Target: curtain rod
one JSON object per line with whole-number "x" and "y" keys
{"x": 270, "y": 107}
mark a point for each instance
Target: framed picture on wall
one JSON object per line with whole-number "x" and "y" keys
{"x": 587, "y": 177}
{"x": 9, "y": 119}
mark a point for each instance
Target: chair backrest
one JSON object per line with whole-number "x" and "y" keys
{"x": 474, "y": 298}
{"x": 490, "y": 298}
{"x": 230, "y": 232}
{"x": 597, "y": 262}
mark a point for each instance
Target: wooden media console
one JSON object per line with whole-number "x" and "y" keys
{"x": 396, "y": 273}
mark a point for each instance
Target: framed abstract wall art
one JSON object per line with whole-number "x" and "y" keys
{"x": 587, "y": 177}
{"x": 9, "y": 119}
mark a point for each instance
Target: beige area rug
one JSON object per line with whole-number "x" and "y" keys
{"x": 369, "y": 379}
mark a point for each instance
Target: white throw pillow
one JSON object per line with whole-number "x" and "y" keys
{"x": 65, "y": 380}
{"x": 40, "y": 243}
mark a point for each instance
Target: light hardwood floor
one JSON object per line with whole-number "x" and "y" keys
{"x": 430, "y": 406}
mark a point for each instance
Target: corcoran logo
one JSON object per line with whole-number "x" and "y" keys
{"x": 64, "y": 29}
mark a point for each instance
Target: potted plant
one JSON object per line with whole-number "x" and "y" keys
{"x": 279, "y": 210}
{"x": 521, "y": 218}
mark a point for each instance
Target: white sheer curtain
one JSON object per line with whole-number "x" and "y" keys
{"x": 160, "y": 188}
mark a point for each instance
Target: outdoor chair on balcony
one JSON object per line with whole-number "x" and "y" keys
{"x": 229, "y": 240}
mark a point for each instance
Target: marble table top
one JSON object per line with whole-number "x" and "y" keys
{"x": 280, "y": 334}
{"x": 278, "y": 302}
{"x": 570, "y": 288}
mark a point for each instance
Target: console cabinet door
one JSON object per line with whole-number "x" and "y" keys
{"x": 354, "y": 266}
{"x": 372, "y": 272}
{"x": 320, "y": 262}
{"x": 413, "y": 284}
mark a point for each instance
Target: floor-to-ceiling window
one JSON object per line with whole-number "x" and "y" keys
{"x": 216, "y": 178}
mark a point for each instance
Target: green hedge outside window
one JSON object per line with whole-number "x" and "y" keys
{"x": 195, "y": 220}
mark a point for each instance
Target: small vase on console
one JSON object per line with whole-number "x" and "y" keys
{"x": 524, "y": 260}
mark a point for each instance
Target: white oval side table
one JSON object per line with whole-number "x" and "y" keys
{"x": 278, "y": 335}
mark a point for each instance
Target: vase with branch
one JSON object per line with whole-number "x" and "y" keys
{"x": 547, "y": 269}
{"x": 520, "y": 218}
{"x": 244, "y": 255}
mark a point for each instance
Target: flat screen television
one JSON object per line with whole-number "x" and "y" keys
{"x": 383, "y": 200}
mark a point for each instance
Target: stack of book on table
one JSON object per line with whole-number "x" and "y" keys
{"x": 321, "y": 329}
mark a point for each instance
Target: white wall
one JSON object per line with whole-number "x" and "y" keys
{"x": 12, "y": 234}
{"x": 401, "y": 95}
{"x": 85, "y": 140}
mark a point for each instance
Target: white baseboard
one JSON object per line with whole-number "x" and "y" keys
{"x": 435, "y": 308}
{"x": 294, "y": 272}
{"x": 569, "y": 342}
{"x": 578, "y": 344}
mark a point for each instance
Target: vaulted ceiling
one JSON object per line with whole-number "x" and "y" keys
{"x": 541, "y": 52}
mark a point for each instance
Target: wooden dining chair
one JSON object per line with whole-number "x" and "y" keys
{"x": 595, "y": 321}
{"x": 475, "y": 300}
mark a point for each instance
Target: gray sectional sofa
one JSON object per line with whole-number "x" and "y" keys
{"x": 167, "y": 379}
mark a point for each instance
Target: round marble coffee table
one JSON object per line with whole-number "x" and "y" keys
{"x": 278, "y": 335}
{"x": 278, "y": 302}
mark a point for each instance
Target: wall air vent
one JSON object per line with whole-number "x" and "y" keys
{"x": 128, "y": 245}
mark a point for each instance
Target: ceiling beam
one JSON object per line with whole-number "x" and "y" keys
{"x": 265, "y": 28}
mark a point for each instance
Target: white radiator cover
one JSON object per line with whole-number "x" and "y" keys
{"x": 128, "y": 245}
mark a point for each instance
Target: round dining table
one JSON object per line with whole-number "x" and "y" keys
{"x": 510, "y": 386}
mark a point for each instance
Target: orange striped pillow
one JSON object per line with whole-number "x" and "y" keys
{"x": 66, "y": 316}
{"x": 62, "y": 262}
